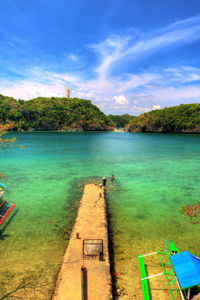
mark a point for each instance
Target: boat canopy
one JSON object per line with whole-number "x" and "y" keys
{"x": 187, "y": 269}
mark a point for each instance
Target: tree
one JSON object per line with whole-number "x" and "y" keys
{"x": 191, "y": 211}
{"x": 182, "y": 118}
{"x": 53, "y": 114}
{"x": 5, "y": 143}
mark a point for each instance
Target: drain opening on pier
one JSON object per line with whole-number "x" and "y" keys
{"x": 93, "y": 249}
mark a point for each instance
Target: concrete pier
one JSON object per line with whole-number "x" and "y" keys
{"x": 94, "y": 281}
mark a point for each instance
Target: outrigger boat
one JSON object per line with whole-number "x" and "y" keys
{"x": 184, "y": 270}
{"x": 5, "y": 207}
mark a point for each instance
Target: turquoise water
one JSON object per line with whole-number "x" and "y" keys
{"x": 155, "y": 175}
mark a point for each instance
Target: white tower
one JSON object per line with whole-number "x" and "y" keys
{"x": 68, "y": 92}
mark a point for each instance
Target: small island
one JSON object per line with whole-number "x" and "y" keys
{"x": 60, "y": 114}
{"x": 184, "y": 118}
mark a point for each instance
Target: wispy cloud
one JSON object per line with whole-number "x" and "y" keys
{"x": 179, "y": 33}
{"x": 134, "y": 47}
{"x": 183, "y": 74}
{"x": 110, "y": 51}
{"x": 73, "y": 57}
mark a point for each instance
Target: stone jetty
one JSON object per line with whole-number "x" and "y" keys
{"x": 85, "y": 271}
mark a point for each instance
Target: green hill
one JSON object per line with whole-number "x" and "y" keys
{"x": 184, "y": 118}
{"x": 121, "y": 120}
{"x": 53, "y": 114}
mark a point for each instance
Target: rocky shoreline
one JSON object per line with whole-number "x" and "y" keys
{"x": 66, "y": 129}
{"x": 143, "y": 129}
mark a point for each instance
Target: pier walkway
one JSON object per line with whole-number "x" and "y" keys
{"x": 90, "y": 228}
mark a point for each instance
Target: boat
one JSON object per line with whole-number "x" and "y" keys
{"x": 5, "y": 209}
{"x": 5, "y": 206}
{"x": 183, "y": 269}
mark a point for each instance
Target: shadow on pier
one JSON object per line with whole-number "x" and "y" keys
{"x": 111, "y": 250}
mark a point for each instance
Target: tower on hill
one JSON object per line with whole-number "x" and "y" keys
{"x": 68, "y": 92}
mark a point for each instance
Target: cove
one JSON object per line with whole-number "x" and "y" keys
{"x": 155, "y": 175}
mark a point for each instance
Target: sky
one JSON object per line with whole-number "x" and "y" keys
{"x": 126, "y": 56}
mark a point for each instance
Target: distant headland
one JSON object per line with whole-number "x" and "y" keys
{"x": 184, "y": 118}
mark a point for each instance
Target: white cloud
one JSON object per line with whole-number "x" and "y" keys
{"x": 156, "y": 107}
{"x": 117, "y": 48}
{"x": 28, "y": 90}
{"x": 170, "y": 95}
{"x": 137, "y": 80}
{"x": 121, "y": 100}
{"x": 137, "y": 110}
{"x": 73, "y": 57}
{"x": 110, "y": 51}
{"x": 138, "y": 92}
{"x": 174, "y": 37}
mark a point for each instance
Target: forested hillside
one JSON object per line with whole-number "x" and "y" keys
{"x": 121, "y": 120}
{"x": 53, "y": 114}
{"x": 183, "y": 118}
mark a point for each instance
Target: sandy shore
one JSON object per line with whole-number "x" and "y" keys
{"x": 91, "y": 223}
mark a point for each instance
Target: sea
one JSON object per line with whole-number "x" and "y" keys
{"x": 155, "y": 175}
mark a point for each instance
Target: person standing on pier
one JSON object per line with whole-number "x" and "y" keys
{"x": 104, "y": 181}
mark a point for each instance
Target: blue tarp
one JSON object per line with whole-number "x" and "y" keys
{"x": 187, "y": 269}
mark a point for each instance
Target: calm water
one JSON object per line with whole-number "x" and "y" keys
{"x": 155, "y": 175}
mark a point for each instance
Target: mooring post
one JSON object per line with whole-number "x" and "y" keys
{"x": 83, "y": 283}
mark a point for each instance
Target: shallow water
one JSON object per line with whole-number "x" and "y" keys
{"x": 155, "y": 175}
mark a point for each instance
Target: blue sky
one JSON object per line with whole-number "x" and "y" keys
{"x": 126, "y": 56}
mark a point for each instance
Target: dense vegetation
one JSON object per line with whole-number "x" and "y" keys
{"x": 182, "y": 118}
{"x": 121, "y": 120}
{"x": 53, "y": 114}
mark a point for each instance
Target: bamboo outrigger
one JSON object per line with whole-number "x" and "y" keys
{"x": 184, "y": 270}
